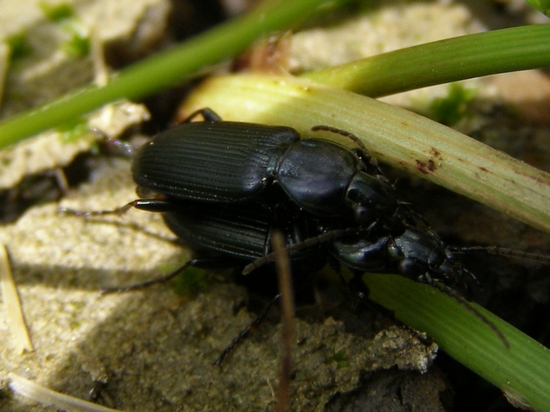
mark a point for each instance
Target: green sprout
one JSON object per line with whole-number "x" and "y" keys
{"x": 451, "y": 109}
{"x": 78, "y": 46}
{"x": 19, "y": 47}
{"x": 56, "y": 12}
{"x": 63, "y": 15}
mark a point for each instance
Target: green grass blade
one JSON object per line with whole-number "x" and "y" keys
{"x": 395, "y": 136}
{"x": 522, "y": 371}
{"x": 443, "y": 61}
{"x": 164, "y": 69}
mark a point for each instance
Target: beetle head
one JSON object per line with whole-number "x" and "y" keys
{"x": 370, "y": 197}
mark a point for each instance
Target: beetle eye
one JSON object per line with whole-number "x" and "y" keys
{"x": 362, "y": 214}
{"x": 446, "y": 268}
{"x": 353, "y": 195}
{"x": 408, "y": 267}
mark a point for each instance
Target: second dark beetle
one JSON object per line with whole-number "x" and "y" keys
{"x": 232, "y": 162}
{"x": 228, "y": 234}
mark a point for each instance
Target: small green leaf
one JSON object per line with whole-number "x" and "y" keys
{"x": 341, "y": 359}
{"x": 78, "y": 46}
{"x": 191, "y": 281}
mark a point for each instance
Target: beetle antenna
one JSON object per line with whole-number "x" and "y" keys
{"x": 500, "y": 251}
{"x": 150, "y": 282}
{"x": 371, "y": 159}
{"x": 307, "y": 243}
{"x": 149, "y": 205}
{"x": 468, "y": 305}
{"x": 89, "y": 213}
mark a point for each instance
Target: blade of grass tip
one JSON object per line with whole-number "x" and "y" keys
{"x": 4, "y": 64}
{"x": 520, "y": 371}
{"x": 164, "y": 69}
{"x": 449, "y": 60}
{"x": 48, "y": 397}
{"x": 20, "y": 333}
{"x": 541, "y": 5}
{"x": 393, "y": 135}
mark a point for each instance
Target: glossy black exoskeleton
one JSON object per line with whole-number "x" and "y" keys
{"x": 232, "y": 162}
{"x": 234, "y": 234}
{"x": 418, "y": 254}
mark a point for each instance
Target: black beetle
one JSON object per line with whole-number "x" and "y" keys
{"x": 232, "y": 162}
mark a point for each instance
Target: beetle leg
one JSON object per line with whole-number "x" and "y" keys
{"x": 197, "y": 262}
{"x": 208, "y": 115}
{"x": 306, "y": 243}
{"x": 253, "y": 325}
{"x": 88, "y": 213}
{"x": 501, "y": 251}
{"x": 149, "y": 205}
{"x": 155, "y": 205}
{"x": 147, "y": 283}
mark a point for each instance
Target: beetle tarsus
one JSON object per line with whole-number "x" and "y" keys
{"x": 150, "y": 282}
{"x": 243, "y": 333}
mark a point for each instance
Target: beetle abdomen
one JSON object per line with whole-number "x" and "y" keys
{"x": 229, "y": 230}
{"x": 219, "y": 162}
